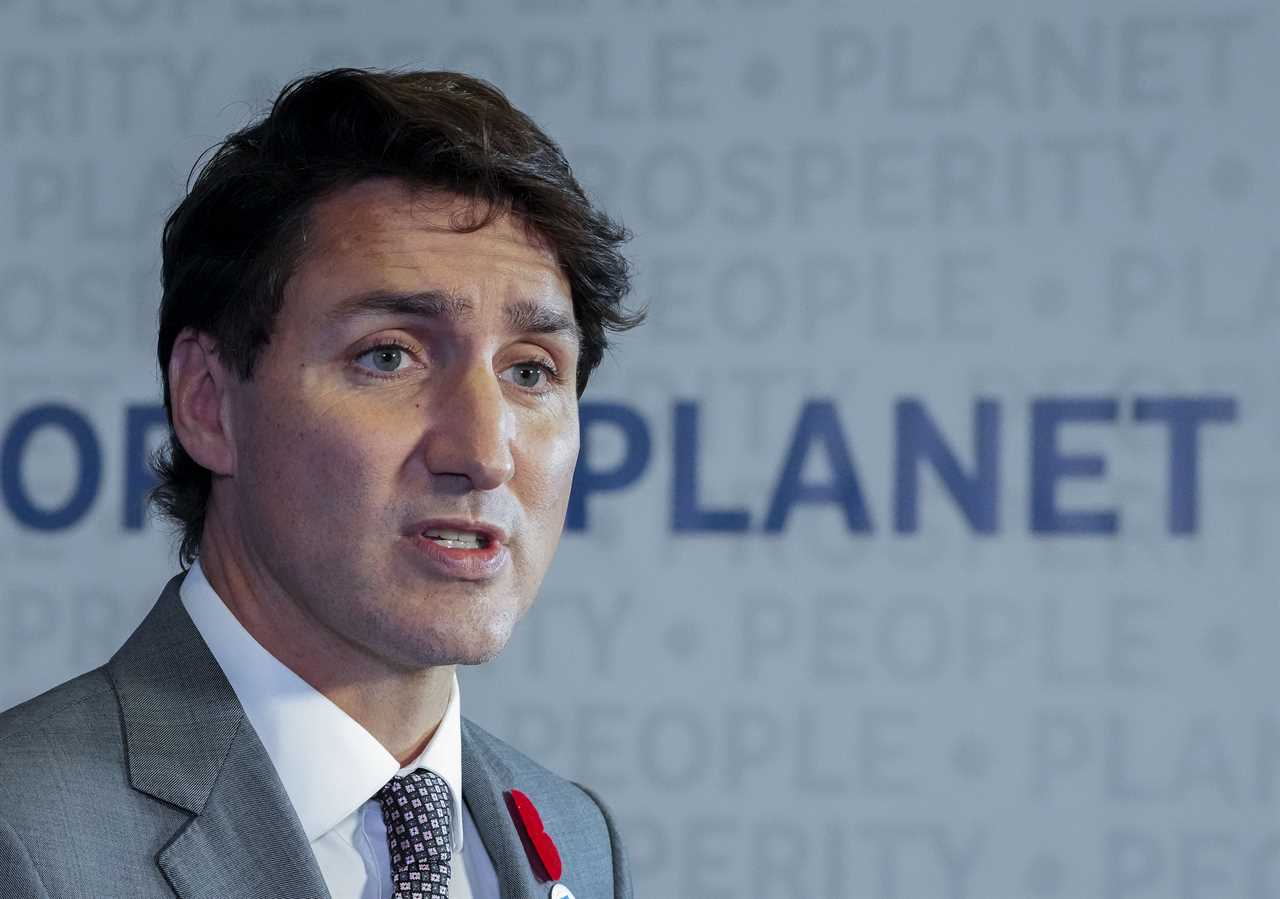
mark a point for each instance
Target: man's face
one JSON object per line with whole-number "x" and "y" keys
{"x": 409, "y": 379}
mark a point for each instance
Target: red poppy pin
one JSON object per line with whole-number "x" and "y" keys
{"x": 537, "y": 842}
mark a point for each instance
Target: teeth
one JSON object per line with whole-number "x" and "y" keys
{"x": 455, "y": 539}
{"x": 456, "y": 544}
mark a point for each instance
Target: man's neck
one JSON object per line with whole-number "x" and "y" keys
{"x": 400, "y": 707}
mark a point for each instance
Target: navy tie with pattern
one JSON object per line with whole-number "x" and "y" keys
{"x": 417, "y": 809}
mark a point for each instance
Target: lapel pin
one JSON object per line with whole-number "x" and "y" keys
{"x": 537, "y": 842}
{"x": 560, "y": 891}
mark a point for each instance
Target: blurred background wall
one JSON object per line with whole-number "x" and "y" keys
{"x": 921, "y": 542}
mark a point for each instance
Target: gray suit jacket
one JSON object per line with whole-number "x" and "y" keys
{"x": 143, "y": 778}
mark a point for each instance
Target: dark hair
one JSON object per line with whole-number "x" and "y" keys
{"x": 232, "y": 243}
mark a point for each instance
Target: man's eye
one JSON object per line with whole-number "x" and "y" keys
{"x": 386, "y": 359}
{"x": 527, "y": 374}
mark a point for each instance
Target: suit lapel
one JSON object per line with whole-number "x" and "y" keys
{"x": 484, "y": 782}
{"x": 188, "y": 743}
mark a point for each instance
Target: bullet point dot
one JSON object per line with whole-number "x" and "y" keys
{"x": 1045, "y": 875}
{"x": 683, "y": 639}
{"x": 970, "y": 758}
{"x": 1049, "y": 297}
{"x": 260, "y": 87}
{"x": 1231, "y": 177}
{"x": 1221, "y": 645}
{"x": 761, "y": 77}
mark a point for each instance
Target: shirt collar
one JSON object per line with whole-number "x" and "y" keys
{"x": 328, "y": 763}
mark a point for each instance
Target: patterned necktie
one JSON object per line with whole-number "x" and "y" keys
{"x": 417, "y": 809}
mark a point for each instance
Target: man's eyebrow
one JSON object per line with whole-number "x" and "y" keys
{"x": 527, "y": 316}
{"x": 426, "y": 304}
{"x": 523, "y": 316}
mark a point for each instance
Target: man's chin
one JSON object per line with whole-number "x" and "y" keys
{"x": 457, "y": 649}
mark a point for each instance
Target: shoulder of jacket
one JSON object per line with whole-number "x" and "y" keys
{"x": 64, "y": 705}
{"x": 521, "y": 769}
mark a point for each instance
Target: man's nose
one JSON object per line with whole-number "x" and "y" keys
{"x": 471, "y": 430}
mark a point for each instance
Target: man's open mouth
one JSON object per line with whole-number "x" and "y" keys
{"x": 456, "y": 539}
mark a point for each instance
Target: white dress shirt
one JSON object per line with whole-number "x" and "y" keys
{"x": 330, "y": 766}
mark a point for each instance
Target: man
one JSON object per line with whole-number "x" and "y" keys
{"x": 381, "y": 306}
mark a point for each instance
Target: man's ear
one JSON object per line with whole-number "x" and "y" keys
{"x": 199, "y": 393}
